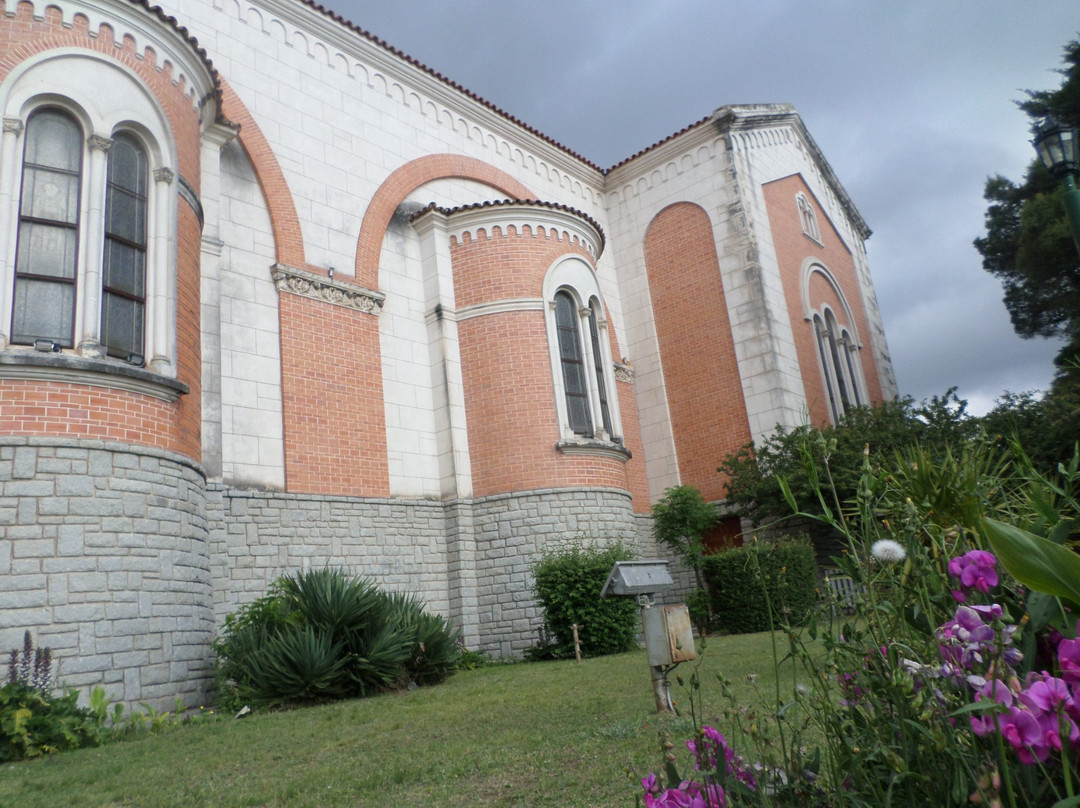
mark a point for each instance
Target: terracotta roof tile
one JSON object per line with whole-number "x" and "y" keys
{"x": 500, "y": 203}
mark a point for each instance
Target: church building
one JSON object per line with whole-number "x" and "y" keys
{"x": 275, "y": 295}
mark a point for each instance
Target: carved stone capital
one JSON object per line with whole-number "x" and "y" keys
{"x": 624, "y": 372}
{"x": 99, "y": 142}
{"x": 308, "y": 284}
{"x": 164, "y": 175}
{"x": 13, "y": 125}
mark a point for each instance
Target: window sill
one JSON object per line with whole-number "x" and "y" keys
{"x": 35, "y": 366}
{"x": 593, "y": 446}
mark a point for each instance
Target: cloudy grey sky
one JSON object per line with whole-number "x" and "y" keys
{"x": 911, "y": 102}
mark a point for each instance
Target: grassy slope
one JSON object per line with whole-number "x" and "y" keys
{"x": 541, "y": 734}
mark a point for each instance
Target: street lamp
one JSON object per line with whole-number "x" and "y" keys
{"x": 1056, "y": 146}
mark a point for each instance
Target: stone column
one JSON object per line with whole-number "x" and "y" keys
{"x": 89, "y": 335}
{"x": 158, "y": 271}
{"x": 9, "y": 218}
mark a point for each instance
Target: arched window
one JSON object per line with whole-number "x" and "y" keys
{"x": 586, "y": 400}
{"x": 123, "y": 271}
{"x": 575, "y": 383}
{"x": 88, "y": 255}
{"x": 48, "y": 239}
{"x": 808, "y": 217}
{"x": 837, "y": 353}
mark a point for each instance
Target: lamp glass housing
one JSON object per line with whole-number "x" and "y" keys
{"x": 1056, "y": 146}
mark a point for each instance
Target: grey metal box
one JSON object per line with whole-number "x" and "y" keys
{"x": 629, "y": 578}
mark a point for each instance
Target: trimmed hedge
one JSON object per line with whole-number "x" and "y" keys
{"x": 788, "y": 573}
{"x": 568, "y": 584}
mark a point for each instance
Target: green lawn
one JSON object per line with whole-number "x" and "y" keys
{"x": 541, "y": 734}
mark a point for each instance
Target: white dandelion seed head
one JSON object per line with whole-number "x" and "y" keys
{"x": 888, "y": 551}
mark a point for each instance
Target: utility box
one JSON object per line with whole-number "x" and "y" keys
{"x": 631, "y": 578}
{"x": 669, "y": 638}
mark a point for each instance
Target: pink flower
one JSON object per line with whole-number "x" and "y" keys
{"x": 994, "y": 690}
{"x": 975, "y": 569}
{"x": 1068, "y": 652}
{"x": 1053, "y": 704}
{"x": 1026, "y": 735}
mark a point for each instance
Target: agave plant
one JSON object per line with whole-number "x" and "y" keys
{"x": 323, "y": 634}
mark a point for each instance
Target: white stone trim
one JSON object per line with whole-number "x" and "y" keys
{"x": 810, "y": 267}
{"x": 491, "y": 307}
{"x": 596, "y": 448}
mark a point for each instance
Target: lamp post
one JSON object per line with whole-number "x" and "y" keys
{"x": 1056, "y": 146}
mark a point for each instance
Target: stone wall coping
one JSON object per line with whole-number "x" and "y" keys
{"x": 254, "y": 493}
{"x": 64, "y": 367}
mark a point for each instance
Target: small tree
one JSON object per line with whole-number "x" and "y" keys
{"x": 681, "y": 518}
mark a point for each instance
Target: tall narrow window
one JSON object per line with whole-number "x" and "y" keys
{"x": 839, "y": 362}
{"x": 45, "y": 264}
{"x": 598, "y": 363}
{"x": 123, "y": 299}
{"x": 849, "y": 351}
{"x": 826, "y": 367}
{"x": 808, "y": 218}
{"x": 573, "y": 365}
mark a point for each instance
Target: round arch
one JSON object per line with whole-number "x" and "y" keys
{"x": 406, "y": 179}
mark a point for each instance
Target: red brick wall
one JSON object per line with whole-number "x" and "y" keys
{"x": 62, "y": 409}
{"x": 792, "y": 250}
{"x": 189, "y": 332}
{"x": 506, "y": 372}
{"x": 704, "y": 392}
{"x": 334, "y": 418}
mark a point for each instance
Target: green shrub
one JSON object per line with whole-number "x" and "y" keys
{"x": 567, "y": 587}
{"x": 743, "y": 598}
{"x": 322, "y": 634}
{"x": 33, "y": 721}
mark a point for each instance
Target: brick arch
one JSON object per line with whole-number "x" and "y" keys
{"x": 288, "y": 239}
{"x": 697, "y": 350}
{"x": 406, "y": 179}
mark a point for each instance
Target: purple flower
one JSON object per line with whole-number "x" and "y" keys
{"x": 711, "y": 749}
{"x": 994, "y": 690}
{"x": 975, "y": 569}
{"x": 649, "y": 784}
{"x": 966, "y": 640}
{"x": 688, "y": 795}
